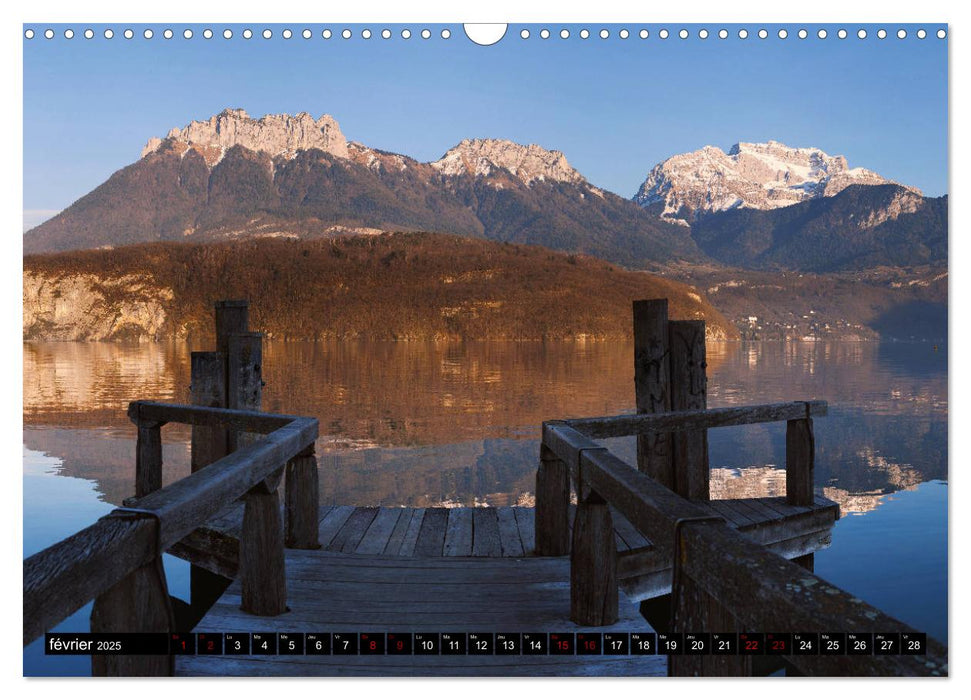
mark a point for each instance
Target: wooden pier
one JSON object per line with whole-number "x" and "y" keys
{"x": 635, "y": 531}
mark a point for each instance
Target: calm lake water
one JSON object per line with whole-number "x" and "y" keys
{"x": 425, "y": 424}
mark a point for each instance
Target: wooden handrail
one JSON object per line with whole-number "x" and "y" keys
{"x": 65, "y": 576}
{"x": 698, "y": 419}
{"x": 716, "y": 567}
{"x": 250, "y": 421}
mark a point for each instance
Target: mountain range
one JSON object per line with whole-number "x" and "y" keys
{"x": 758, "y": 206}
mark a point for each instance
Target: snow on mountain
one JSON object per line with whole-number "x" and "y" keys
{"x": 751, "y": 175}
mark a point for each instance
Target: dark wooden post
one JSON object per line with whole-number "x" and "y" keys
{"x": 552, "y": 512}
{"x": 244, "y": 383}
{"x": 208, "y": 389}
{"x": 302, "y": 497}
{"x": 800, "y": 462}
{"x": 593, "y": 564}
{"x": 138, "y": 603}
{"x": 262, "y": 566}
{"x": 695, "y": 610}
{"x": 148, "y": 458}
{"x": 652, "y": 385}
{"x": 689, "y": 389}
{"x": 231, "y": 317}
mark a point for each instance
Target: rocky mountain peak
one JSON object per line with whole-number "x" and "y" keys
{"x": 274, "y": 134}
{"x": 482, "y": 157}
{"x": 750, "y": 175}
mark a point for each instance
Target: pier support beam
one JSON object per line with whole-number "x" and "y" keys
{"x": 552, "y": 512}
{"x": 800, "y": 462}
{"x": 148, "y": 458}
{"x": 689, "y": 389}
{"x": 593, "y": 564}
{"x": 262, "y": 567}
{"x": 138, "y": 603}
{"x": 652, "y": 386}
{"x": 302, "y": 498}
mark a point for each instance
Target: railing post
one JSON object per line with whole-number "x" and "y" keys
{"x": 302, "y": 497}
{"x": 552, "y": 512}
{"x": 262, "y": 564}
{"x": 593, "y": 564}
{"x": 148, "y": 458}
{"x": 208, "y": 377}
{"x": 693, "y": 609}
{"x": 800, "y": 462}
{"x": 652, "y": 386}
{"x": 244, "y": 381}
{"x": 138, "y": 603}
{"x": 689, "y": 390}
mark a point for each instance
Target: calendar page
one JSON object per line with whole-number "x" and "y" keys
{"x": 422, "y": 348}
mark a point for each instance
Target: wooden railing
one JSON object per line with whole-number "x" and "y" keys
{"x": 723, "y": 581}
{"x": 117, "y": 560}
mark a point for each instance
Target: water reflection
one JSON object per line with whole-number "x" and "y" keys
{"x": 457, "y": 423}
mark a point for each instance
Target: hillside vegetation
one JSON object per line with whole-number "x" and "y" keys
{"x": 391, "y": 286}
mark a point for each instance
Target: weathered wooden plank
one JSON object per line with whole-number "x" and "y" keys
{"x": 458, "y": 533}
{"x": 756, "y": 510}
{"x": 302, "y": 502}
{"x": 431, "y": 539}
{"x": 511, "y": 544}
{"x": 779, "y": 505}
{"x": 652, "y": 386}
{"x": 619, "y": 541}
{"x": 552, "y": 501}
{"x": 331, "y": 523}
{"x": 262, "y": 568}
{"x": 350, "y": 535}
{"x": 800, "y": 462}
{"x": 252, "y": 421}
{"x": 527, "y": 532}
{"x": 689, "y": 390}
{"x": 138, "y": 603}
{"x": 376, "y": 538}
{"x": 593, "y": 565}
{"x": 393, "y": 545}
{"x": 620, "y": 426}
{"x": 410, "y": 540}
{"x": 633, "y": 539}
{"x": 244, "y": 379}
{"x": 726, "y": 509}
{"x": 485, "y": 533}
{"x": 208, "y": 387}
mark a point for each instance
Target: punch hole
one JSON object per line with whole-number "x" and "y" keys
{"x": 488, "y": 34}
{"x": 702, "y": 33}
{"x": 743, "y": 33}
{"x": 861, "y": 33}
{"x": 426, "y": 34}
{"x": 564, "y": 33}
{"x": 267, "y": 34}
{"x": 365, "y": 33}
{"x": 841, "y": 33}
{"x": 803, "y": 33}
{"x": 643, "y": 34}
{"x": 624, "y": 33}
{"x": 821, "y": 33}
{"x": 227, "y": 34}
{"x": 783, "y": 34}
{"x": 129, "y": 34}
{"x": 544, "y": 34}
{"x": 168, "y": 34}
{"x": 29, "y": 34}
{"x": 941, "y": 34}
{"x": 901, "y": 33}
{"x": 921, "y": 34}
{"x": 287, "y": 34}
{"x": 89, "y": 34}
{"x": 446, "y": 33}
{"x": 604, "y": 34}
{"x": 405, "y": 33}
{"x": 207, "y": 34}
{"x": 722, "y": 33}
{"x": 247, "y": 33}
{"x": 683, "y": 34}
{"x": 881, "y": 34}
{"x": 148, "y": 34}
{"x": 306, "y": 33}
{"x": 326, "y": 34}
{"x": 109, "y": 34}
{"x": 385, "y": 33}
{"x": 68, "y": 33}
{"x": 763, "y": 34}
{"x": 584, "y": 33}
{"x": 524, "y": 34}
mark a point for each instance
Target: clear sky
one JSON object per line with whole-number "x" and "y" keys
{"x": 615, "y": 107}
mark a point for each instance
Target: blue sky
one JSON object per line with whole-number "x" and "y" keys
{"x": 614, "y": 107}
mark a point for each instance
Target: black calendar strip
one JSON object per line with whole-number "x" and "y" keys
{"x": 489, "y": 643}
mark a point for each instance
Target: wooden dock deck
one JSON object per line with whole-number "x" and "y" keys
{"x": 338, "y": 592}
{"x": 508, "y": 532}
